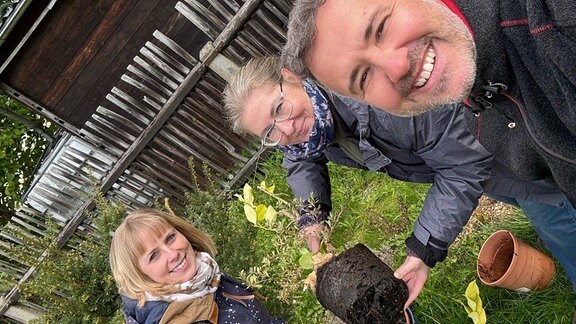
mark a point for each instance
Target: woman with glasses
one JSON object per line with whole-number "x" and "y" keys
{"x": 313, "y": 126}
{"x": 257, "y": 103}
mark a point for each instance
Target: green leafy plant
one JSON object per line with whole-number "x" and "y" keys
{"x": 287, "y": 262}
{"x": 473, "y": 304}
{"x": 74, "y": 284}
{"x": 23, "y": 138}
{"x": 257, "y": 213}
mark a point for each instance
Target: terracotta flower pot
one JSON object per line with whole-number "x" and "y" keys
{"x": 360, "y": 288}
{"x": 505, "y": 261}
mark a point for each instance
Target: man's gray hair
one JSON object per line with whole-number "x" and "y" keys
{"x": 256, "y": 73}
{"x": 300, "y": 35}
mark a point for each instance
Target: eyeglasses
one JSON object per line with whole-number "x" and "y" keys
{"x": 282, "y": 111}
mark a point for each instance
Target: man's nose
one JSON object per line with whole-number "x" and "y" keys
{"x": 394, "y": 62}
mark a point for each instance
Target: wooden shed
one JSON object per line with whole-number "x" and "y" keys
{"x": 136, "y": 87}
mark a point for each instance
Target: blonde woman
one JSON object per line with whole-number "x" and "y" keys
{"x": 166, "y": 273}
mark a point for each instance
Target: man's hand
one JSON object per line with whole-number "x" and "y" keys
{"x": 313, "y": 235}
{"x": 414, "y": 272}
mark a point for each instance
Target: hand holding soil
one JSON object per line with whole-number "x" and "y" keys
{"x": 414, "y": 272}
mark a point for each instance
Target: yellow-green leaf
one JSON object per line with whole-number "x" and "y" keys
{"x": 266, "y": 188}
{"x": 260, "y": 212}
{"x": 478, "y": 318}
{"x": 270, "y": 216}
{"x": 248, "y": 195}
{"x": 306, "y": 261}
{"x": 475, "y": 317}
{"x": 472, "y": 291}
{"x": 471, "y": 304}
{"x": 473, "y": 296}
{"x": 474, "y": 308}
{"x": 482, "y": 317}
{"x": 250, "y": 214}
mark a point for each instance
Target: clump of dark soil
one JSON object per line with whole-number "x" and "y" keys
{"x": 361, "y": 289}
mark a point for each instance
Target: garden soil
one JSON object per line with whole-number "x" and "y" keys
{"x": 359, "y": 288}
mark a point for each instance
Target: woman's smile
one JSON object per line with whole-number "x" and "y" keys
{"x": 180, "y": 266}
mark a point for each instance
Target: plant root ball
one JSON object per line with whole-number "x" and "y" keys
{"x": 360, "y": 288}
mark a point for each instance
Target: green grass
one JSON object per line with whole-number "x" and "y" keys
{"x": 373, "y": 209}
{"x": 447, "y": 284}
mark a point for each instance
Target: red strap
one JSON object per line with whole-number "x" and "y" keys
{"x": 454, "y": 8}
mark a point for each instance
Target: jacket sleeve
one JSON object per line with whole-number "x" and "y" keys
{"x": 308, "y": 179}
{"x": 151, "y": 312}
{"x": 462, "y": 166}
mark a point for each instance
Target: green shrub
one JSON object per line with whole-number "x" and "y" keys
{"x": 210, "y": 210}
{"x": 74, "y": 285}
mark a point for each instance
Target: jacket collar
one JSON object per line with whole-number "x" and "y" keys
{"x": 454, "y": 8}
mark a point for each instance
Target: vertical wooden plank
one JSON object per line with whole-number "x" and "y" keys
{"x": 102, "y": 34}
{"x": 56, "y": 40}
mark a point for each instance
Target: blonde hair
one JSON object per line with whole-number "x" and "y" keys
{"x": 256, "y": 73}
{"x": 126, "y": 247}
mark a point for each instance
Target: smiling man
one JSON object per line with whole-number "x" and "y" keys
{"x": 510, "y": 62}
{"x": 393, "y": 58}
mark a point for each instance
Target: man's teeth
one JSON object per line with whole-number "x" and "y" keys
{"x": 426, "y": 68}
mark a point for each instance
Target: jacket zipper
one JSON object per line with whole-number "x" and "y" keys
{"x": 483, "y": 103}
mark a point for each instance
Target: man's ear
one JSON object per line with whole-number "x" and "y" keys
{"x": 289, "y": 76}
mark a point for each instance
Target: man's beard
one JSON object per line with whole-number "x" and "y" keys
{"x": 412, "y": 108}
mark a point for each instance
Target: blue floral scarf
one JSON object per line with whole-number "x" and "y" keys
{"x": 322, "y": 132}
